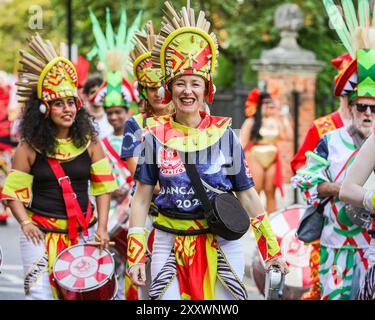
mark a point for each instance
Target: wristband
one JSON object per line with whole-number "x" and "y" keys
{"x": 136, "y": 247}
{"x": 267, "y": 244}
{"x": 369, "y": 201}
{"x": 25, "y": 222}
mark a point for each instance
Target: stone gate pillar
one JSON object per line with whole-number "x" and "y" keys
{"x": 288, "y": 68}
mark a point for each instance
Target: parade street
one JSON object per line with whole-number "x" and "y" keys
{"x": 11, "y": 276}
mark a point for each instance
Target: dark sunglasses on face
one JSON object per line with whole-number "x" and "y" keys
{"x": 361, "y": 107}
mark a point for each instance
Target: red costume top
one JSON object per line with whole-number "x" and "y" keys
{"x": 323, "y": 124}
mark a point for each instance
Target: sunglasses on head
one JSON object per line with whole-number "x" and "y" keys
{"x": 362, "y": 107}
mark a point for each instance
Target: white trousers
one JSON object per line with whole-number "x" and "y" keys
{"x": 163, "y": 245}
{"x": 370, "y": 253}
{"x": 30, "y": 254}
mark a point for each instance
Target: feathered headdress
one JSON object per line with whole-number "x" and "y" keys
{"x": 356, "y": 30}
{"x": 146, "y": 75}
{"x": 113, "y": 52}
{"x": 253, "y": 97}
{"x": 51, "y": 76}
{"x": 185, "y": 46}
{"x": 341, "y": 63}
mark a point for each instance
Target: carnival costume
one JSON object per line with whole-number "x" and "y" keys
{"x": 189, "y": 262}
{"x": 358, "y": 80}
{"x": 342, "y": 243}
{"x": 6, "y": 142}
{"x": 319, "y": 127}
{"x": 116, "y": 91}
{"x": 64, "y": 217}
{"x": 265, "y": 151}
{"x": 147, "y": 77}
{"x": 323, "y": 124}
{"x": 355, "y": 80}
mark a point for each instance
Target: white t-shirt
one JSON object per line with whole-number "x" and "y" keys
{"x": 103, "y": 126}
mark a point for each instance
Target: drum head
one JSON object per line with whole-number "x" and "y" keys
{"x": 284, "y": 223}
{"x": 83, "y": 268}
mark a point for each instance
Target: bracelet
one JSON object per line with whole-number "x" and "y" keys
{"x": 25, "y": 222}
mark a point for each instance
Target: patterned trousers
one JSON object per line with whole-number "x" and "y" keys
{"x": 340, "y": 272}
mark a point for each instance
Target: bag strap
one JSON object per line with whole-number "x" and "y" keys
{"x": 326, "y": 200}
{"x": 121, "y": 164}
{"x": 73, "y": 209}
{"x": 211, "y": 188}
{"x": 196, "y": 181}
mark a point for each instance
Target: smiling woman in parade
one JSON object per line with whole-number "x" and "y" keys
{"x": 47, "y": 189}
{"x": 188, "y": 260}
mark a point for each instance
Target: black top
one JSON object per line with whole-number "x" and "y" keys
{"x": 47, "y": 193}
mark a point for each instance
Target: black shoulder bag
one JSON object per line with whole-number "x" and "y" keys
{"x": 311, "y": 224}
{"x": 225, "y": 215}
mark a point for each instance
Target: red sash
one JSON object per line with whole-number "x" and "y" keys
{"x": 122, "y": 164}
{"x": 73, "y": 209}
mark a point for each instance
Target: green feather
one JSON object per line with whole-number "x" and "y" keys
{"x": 99, "y": 36}
{"x": 133, "y": 28}
{"x": 92, "y": 53}
{"x": 109, "y": 31}
{"x": 338, "y": 23}
{"x": 350, "y": 15}
{"x": 364, "y": 13}
{"x": 121, "y": 34}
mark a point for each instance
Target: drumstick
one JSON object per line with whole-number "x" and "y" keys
{"x": 97, "y": 243}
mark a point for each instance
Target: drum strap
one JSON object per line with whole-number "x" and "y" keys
{"x": 115, "y": 155}
{"x": 73, "y": 209}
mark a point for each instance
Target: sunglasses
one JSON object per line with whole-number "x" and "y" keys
{"x": 361, "y": 107}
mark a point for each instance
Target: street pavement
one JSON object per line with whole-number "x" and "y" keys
{"x": 11, "y": 276}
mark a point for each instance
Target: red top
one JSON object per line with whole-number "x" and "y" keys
{"x": 319, "y": 127}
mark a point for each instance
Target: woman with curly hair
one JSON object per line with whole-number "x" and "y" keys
{"x": 47, "y": 189}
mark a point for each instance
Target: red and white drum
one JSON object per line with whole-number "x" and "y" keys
{"x": 81, "y": 272}
{"x": 118, "y": 226}
{"x": 284, "y": 223}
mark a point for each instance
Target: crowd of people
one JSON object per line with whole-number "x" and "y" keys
{"x": 139, "y": 145}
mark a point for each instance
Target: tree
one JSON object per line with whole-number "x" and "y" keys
{"x": 243, "y": 27}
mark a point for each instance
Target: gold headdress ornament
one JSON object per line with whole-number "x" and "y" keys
{"x": 53, "y": 77}
{"x": 185, "y": 46}
{"x": 141, "y": 58}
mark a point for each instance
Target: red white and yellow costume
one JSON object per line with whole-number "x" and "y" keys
{"x": 189, "y": 262}
{"x": 319, "y": 128}
{"x": 53, "y": 77}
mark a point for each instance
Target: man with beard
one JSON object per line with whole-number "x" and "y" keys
{"x": 342, "y": 261}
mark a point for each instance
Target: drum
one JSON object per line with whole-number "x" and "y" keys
{"x": 284, "y": 223}
{"x": 82, "y": 273}
{"x": 118, "y": 225}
